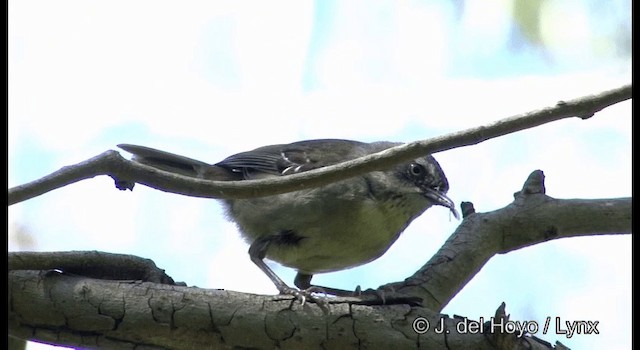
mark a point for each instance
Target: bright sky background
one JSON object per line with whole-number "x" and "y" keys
{"x": 209, "y": 79}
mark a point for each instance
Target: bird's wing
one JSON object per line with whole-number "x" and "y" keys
{"x": 293, "y": 158}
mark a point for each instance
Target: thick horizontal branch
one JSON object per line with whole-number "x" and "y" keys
{"x": 532, "y": 218}
{"x": 125, "y": 172}
{"x": 91, "y": 313}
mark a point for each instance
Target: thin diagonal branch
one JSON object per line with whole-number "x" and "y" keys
{"x": 109, "y": 163}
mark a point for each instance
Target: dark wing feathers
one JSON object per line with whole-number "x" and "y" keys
{"x": 293, "y": 158}
{"x": 249, "y": 163}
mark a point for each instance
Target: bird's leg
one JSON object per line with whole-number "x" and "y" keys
{"x": 257, "y": 253}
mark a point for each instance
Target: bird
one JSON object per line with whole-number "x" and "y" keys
{"x": 318, "y": 230}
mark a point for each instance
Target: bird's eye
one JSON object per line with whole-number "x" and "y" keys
{"x": 416, "y": 170}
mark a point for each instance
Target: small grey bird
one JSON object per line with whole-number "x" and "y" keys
{"x": 330, "y": 228}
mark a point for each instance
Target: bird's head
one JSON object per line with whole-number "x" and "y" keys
{"x": 423, "y": 182}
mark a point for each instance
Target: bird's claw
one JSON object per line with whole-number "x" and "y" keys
{"x": 307, "y": 294}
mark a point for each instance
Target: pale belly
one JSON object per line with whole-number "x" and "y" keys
{"x": 346, "y": 234}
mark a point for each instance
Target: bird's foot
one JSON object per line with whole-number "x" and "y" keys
{"x": 309, "y": 294}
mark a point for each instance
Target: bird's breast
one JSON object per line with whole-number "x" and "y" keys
{"x": 324, "y": 234}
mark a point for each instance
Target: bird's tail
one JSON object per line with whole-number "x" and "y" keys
{"x": 173, "y": 163}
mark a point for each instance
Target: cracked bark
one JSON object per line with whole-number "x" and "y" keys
{"x": 62, "y": 309}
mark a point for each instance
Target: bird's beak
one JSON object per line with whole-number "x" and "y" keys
{"x": 439, "y": 198}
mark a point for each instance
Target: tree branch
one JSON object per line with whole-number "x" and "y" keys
{"x": 126, "y": 173}
{"x": 532, "y": 218}
{"x": 91, "y": 313}
{"x": 92, "y": 264}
